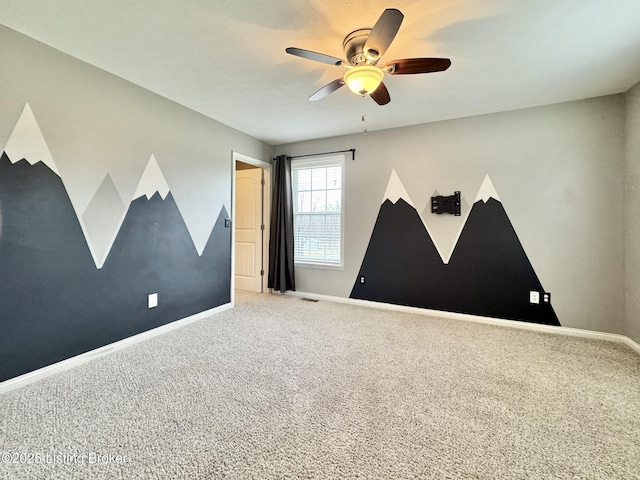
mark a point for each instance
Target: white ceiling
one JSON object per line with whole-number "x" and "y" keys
{"x": 226, "y": 58}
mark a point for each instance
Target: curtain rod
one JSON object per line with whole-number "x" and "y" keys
{"x": 352, "y": 150}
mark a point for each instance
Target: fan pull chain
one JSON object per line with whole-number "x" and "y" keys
{"x": 364, "y": 115}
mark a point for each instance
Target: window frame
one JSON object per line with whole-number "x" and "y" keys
{"x": 323, "y": 161}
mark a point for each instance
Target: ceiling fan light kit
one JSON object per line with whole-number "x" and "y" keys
{"x": 363, "y": 48}
{"x": 363, "y": 79}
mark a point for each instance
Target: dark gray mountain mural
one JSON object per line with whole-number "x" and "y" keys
{"x": 401, "y": 264}
{"x": 497, "y": 274}
{"x": 488, "y": 274}
{"x": 55, "y": 303}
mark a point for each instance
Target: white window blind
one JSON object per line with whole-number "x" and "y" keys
{"x": 317, "y": 209}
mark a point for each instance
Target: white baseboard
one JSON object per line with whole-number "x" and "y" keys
{"x": 69, "y": 363}
{"x": 536, "y": 327}
{"x": 72, "y": 362}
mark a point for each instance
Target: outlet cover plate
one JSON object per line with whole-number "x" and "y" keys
{"x": 534, "y": 297}
{"x": 152, "y": 300}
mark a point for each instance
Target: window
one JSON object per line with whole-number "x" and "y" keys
{"x": 318, "y": 197}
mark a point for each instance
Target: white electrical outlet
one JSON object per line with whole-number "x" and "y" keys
{"x": 152, "y": 300}
{"x": 534, "y": 297}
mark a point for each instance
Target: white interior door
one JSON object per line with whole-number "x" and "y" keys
{"x": 248, "y": 230}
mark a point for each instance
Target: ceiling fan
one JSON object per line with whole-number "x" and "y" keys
{"x": 364, "y": 48}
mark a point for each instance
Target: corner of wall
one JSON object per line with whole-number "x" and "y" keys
{"x": 631, "y": 221}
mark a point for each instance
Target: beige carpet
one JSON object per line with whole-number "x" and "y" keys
{"x": 280, "y": 387}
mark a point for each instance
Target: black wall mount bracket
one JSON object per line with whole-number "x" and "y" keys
{"x": 450, "y": 204}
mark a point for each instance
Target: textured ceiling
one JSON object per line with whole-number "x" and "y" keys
{"x": 226, "y": 59}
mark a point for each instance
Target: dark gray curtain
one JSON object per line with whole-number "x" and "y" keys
{"x": 281, "y": 272}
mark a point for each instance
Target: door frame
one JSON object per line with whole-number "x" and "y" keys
{"x": 266, "y": 215}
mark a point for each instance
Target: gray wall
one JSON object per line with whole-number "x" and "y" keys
{"x": 557, "y": 169}
{"x": 97, "y": 124}
{"x": 632, "y": 217}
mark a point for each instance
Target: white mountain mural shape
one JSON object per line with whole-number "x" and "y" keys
{"x": 395, "y": 190}
{"x": 445, "y": 244}
{"x": 27, "y": 142}
{"x": 487, "y": 190}
{"x": 152, "y": 181}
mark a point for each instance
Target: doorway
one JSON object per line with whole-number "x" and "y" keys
{"x": 251, "y": 223}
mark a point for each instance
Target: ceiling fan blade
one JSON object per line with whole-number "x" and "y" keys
{"x": 315, "y": 56}
{"x": 381, "y": 95}
{"x": 408, "y": 66}
{"x": 383, "y": 33}
{"x": 327, "y": 89}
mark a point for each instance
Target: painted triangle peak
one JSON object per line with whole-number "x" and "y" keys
{"x": 487, "y": 190}
{"x": 395, "y": 190}
{"x": 102, "y": 219}
{"x": 152, "y": 181}
{"x": 26, "y": 141}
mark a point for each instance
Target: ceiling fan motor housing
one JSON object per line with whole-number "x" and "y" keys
{"x": 353, "y": 45}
